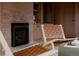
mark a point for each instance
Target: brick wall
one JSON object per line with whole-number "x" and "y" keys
{"x": 1, "y": 50}
{"x": 0, "y": 15}
{"x": 15, "y": 13}
{"x": 37, "y": 32}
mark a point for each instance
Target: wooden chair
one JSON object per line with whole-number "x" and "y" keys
{"x": 32, "y": 50}
{"x": 52, "y": 33}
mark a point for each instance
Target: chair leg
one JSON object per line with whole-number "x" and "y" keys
{"x": 52, "y": 44}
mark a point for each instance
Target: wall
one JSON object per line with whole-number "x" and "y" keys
{"x": 77, "y": 19}
{"x": 37, "y": 33}
{"x": 67, "y": 14}
{"x": 0, "y": 15}
{"x": 13, "y": 13}
{"x": 64, "y": 13}
{"x": 1, "y": 50}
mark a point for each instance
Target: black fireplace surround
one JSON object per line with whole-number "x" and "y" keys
{"x": 19, "y": 34}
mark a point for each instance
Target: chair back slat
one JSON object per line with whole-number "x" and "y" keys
{"x": 53, "y": 31}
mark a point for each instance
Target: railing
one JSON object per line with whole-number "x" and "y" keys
{"x": 5, "y": 45}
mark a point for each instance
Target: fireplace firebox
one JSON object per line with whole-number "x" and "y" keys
{"x": 19, "y": 33}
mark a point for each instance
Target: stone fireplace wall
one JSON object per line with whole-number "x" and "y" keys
{"x": 0, "y": 15}
{"x": 16, "y": 13}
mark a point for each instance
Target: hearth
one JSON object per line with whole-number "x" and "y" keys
{"x": 20, "y": 34}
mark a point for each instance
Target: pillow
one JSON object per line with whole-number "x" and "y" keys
{"x": 75, "y": 43}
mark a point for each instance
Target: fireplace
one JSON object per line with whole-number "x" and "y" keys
{"x": 20, "y": 34}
